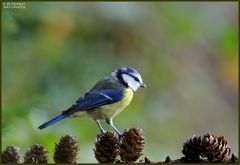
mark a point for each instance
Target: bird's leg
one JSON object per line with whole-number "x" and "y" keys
{"x": 110, "y": 122}
{"x": 100, "y": 127}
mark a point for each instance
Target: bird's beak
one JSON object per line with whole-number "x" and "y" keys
{"x": 143, "y": 85}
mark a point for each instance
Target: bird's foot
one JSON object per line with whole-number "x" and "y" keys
{"x": 120, "y": 136}
{"x": 102, "y": 132}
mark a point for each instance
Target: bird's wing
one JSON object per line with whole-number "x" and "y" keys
{"x": 95, "y": 99}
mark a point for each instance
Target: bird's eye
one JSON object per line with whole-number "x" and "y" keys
{"x": 136, "y": 79}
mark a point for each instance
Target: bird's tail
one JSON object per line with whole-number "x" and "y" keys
{"x": 53, "y": 121}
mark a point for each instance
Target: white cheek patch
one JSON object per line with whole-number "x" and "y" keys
{"x": 131, "y": 82}
{"x": 138, "y": 76}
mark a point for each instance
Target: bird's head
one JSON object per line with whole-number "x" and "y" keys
{"x": 129, "y": 77}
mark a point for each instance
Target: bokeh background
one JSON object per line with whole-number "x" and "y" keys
{"x": 187, "y": 54}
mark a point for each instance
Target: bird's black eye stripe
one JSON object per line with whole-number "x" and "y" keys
{"x": 120, "y": 78}
{"x": 135, "y": 78}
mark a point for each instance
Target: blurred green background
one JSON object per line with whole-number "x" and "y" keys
{"x": 187, "y": 54}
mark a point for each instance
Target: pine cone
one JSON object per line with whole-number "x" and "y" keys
{"x": 132, "y": 145}
{"x": 208, "y": 146}
{"x": 106, "y": 147}
{"x": 66, "y": 150}
{"x": 215, "y": 148}
{"x": 191, "y": 149}
{"x": 36, "y": 154}
{"x": 11, "y": 155}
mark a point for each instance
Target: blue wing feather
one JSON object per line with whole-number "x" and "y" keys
{"x": 95, "y": 99}
{"x": 92, "y": 99}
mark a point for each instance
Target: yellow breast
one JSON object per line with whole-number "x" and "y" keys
{"x": 114, "y": 109}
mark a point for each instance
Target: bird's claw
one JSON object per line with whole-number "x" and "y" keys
{"x": 120, "y": 136}
{"x": 102, "y": 132}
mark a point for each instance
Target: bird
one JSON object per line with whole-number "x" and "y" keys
{"x": 106, "y": 99}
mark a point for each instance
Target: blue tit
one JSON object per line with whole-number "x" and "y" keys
{"x": 106, "y": 99}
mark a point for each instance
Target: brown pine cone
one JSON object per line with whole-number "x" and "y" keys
{"x": 215, "y": 148}
{"x": 106, "y": 147}
{"x": 11, "y": 155}
{"x": 208, "y": 146}
{"x": 132, "y": 145}
{"x": 36, "y": 154}
{"x": 66, "y": 150}
{"x": 191, "y": 149}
